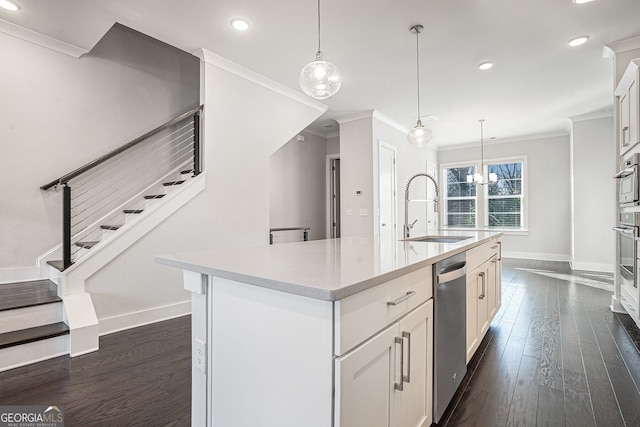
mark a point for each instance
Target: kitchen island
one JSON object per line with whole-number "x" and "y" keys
{"x": 326, "y": 332}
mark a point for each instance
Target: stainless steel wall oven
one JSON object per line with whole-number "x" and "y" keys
{"x": 627, "y": 231}
{"x": 629, "y": 179}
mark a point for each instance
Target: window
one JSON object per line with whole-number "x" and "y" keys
{"x": 499, "y": 205}
{"x": 461, "y": 197}
{"x": 504, "y": 198}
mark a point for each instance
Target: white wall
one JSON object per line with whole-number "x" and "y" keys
{"x": 59, "y": 113}
{"x": 297, "y": 187}
{"x": 593, "y": 165}
{"x": 333, "y": 144}
{"x": 359, "y": 141}
{"x": 356, "y": 174}
{"x": 233, "y": 211}
{"x": 549, "y": 194}
{"x": 409, "y": 161}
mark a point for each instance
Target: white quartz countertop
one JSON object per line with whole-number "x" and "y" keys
{"x": 323, "y": 269}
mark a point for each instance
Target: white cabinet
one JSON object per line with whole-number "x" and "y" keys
{"x": 387, "y": 380}
{"x": 484, "y": 292}
{"x": 628, "y": 107}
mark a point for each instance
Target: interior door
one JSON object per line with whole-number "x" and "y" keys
{"x": 387, "y": 192}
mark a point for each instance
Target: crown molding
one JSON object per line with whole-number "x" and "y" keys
{"x": 540, "y": 136}
{"x": 603, "y": 114}
{"x": 216, "y": 60}
{"x": 624, "y": 45}
{"x": 41, "y": 40}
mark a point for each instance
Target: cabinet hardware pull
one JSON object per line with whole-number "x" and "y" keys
{"x": 482, "y": 274}
{"x": 403, "y": 298}
{"x": 400, "y": 386}
{"x": 407, "y": 335}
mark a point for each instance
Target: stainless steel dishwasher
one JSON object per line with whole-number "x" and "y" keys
{"x": 450, "y": 324}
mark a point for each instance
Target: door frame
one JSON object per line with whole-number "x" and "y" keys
{"x": 328, "y": 202}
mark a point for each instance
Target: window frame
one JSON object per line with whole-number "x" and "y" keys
{"x": 482, "y": 196}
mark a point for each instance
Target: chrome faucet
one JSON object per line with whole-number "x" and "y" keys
{"x": 407, "y": 226}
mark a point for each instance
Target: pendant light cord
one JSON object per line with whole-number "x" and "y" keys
{"x": 481, "y": 145}
{"x": 417, "y": 69}
{"x": 318, "y": 25}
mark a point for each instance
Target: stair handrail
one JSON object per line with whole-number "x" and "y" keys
{"x": 65, "y": 178}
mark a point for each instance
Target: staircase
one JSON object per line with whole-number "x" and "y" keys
{"x": 31, "y": 323}
{"x": 130, "y": 212}
{"x": 107, "y": 205}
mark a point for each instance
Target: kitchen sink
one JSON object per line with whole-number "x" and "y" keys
{"x": 439, "y": 239}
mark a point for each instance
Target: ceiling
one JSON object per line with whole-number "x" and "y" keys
{"x": 537, "y": 83}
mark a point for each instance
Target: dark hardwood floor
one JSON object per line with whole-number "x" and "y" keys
{"x": 140, "y": 377}
{"x": 555, "y": 355}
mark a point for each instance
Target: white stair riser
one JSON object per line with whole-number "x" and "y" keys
{"x": 30, "y": 317}
{"x": 25, "y": 354}
{"x": 108, "y": 233}
{"x": 80, "y": 252}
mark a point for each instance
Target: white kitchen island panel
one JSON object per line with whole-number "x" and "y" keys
{"x": 270, "y": 353}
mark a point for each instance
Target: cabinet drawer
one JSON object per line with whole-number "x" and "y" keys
{"x": 629, "y": 301}
{"x": 360, "y": 316}
{"x": 478, "y": 255}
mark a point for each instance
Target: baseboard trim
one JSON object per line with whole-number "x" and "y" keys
{"x": 537, "y": 256}
{"x": 110, "y": 325}
{"x": 591, "y": 266}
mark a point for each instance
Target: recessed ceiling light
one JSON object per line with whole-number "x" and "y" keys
{"x": 578, "y": 41}
{"x": 485, "y": 65}
{"x": 582, "y": 1}
{"x": 9, "y": 5}
{"x": 240, "y": 24}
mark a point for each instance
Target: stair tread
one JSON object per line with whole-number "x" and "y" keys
{"x": 133, "y": 211}
{"x": 172, "y": 183}
{"x": 57, "y": 264}
{"x": 187, "y": 171}
{"x": 27, "y": 294}
{"x": 154, "y": 196}
{"x": 87, "y": 245}
{"x": 110, "y": 227}
{"x": 24, "y": 336}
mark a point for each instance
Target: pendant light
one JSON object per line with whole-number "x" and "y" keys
{"x": 320, "y": 79}
{"x": 419, "y": 136}
{"x": 478, "y": 178}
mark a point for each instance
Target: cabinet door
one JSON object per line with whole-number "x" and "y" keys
{"x": 492, "y": 288}
{"x": 472, "y": 311}
{"x": 634, "y": 135}
{"x": 365, "y": 379}
{"x": 624, "y": 122}
{"x": 413, "y": 404}
{"x": 483, "y": 300}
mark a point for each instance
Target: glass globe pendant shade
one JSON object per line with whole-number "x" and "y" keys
{"x": 419, "y": 136}
{"x": 320, "y": 79}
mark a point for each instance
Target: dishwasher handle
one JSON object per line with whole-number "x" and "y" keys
{"x": 452, "y": 272}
